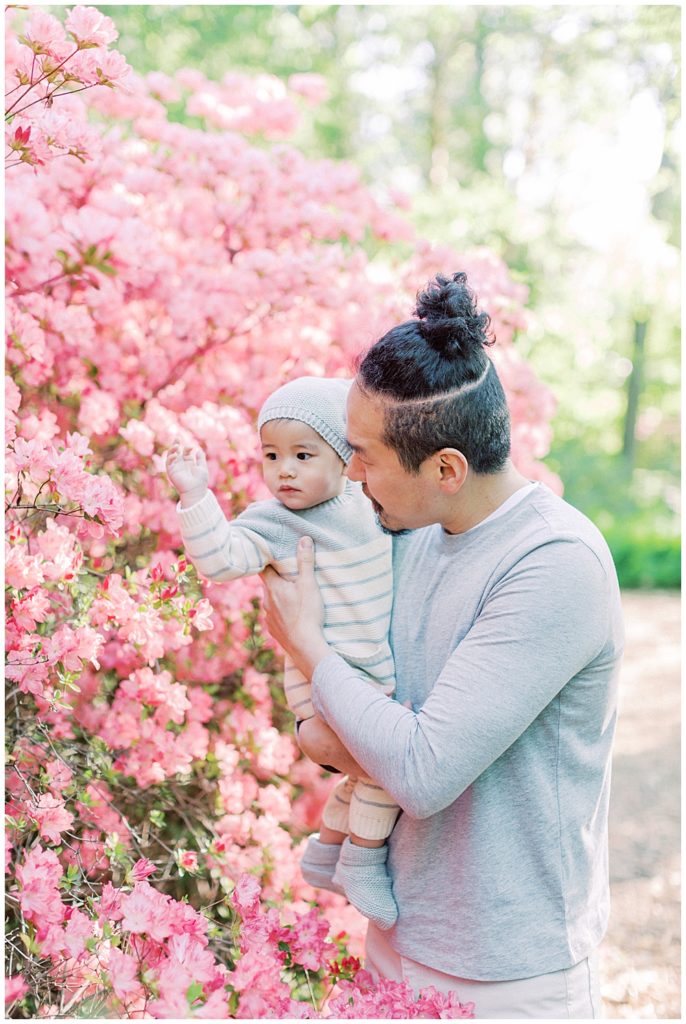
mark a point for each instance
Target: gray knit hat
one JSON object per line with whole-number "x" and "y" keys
{"x": 317, "y": 401}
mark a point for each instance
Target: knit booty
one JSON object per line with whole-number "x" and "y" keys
{"x": 362, "y": 874}
{"x": 319, "y": 863}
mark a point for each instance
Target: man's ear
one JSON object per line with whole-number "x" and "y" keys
{"x": 451, "y": 468}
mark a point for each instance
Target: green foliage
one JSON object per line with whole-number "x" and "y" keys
{"x": 645, "y": 558}
{"x": 636, "y": 512}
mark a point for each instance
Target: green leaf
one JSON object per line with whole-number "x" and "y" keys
{"x": 32, "y": 946}
{"x": 193, "y": 992}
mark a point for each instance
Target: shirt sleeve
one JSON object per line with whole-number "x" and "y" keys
{"x": 218, "y": 548}
{"x": 540, "y": 626}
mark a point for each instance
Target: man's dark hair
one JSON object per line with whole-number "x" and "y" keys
{"x": 439, "y": 388}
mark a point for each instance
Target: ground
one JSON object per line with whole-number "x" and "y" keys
{"x": 640, "y": 956}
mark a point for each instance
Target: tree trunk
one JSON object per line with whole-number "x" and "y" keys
{"x": 634, "y": 385}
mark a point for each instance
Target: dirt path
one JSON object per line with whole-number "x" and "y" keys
{"x": 640, "y": 957}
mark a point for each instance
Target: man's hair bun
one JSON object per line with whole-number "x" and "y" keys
{"x": 449, "y": 320}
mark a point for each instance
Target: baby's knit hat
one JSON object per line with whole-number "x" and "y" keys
{"x": 317, "y": 401}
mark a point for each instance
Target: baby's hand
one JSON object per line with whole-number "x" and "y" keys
{"x": 187, "y": 471}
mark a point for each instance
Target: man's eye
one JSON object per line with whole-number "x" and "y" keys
{"x": 303, "y": 456}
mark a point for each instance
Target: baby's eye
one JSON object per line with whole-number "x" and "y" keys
{"x": 303, "y": 456}
{"x": 271, "y": 456}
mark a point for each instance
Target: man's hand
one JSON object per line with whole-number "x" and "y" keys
{"x": 295, "y": 611}
{"x": 320, "y": 743}
{"x": 187, "y": 471}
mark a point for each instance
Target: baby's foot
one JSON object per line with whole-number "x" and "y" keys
{"x": 362, "y": 874}
{"x": 319, "y": 863}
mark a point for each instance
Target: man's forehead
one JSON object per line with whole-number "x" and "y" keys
{"x": 364, "y": 420}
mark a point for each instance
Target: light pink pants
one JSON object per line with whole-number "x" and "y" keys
{"x": 573, "y": 993}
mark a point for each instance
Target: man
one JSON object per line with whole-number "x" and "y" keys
{"x": 507, "y": 636}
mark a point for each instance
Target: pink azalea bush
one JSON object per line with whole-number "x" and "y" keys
{"x": 161, "y": 281}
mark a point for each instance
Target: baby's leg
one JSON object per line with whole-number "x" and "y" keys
{"x": 372, "y": 814}
{"x": 336, "y": 813}
{"x": 330, "y": 836}
{"x": 298, "y": 691}
{"x": 319, "y": 861}
{"x": 361, "y": 870}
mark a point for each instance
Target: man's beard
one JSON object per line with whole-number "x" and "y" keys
{"x": 387, "y": 530}
{"x": 378, "y": 509}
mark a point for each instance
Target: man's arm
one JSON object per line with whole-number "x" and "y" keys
{"x": 540, "y": 626}
{"x": 538, "y": 629}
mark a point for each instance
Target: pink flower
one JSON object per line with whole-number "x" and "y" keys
{"x": 201, "y": 615}
{"x": 44, "y": 30}
{"x": 40, "y": 428}
{"x": 311, "y": 87}
{"x": 142, "y": 869}
{"x": 77, "y": 443}
{"x": 38, "y": 878}
{"x": 123, "y": 973}
{"x": 246, "y": 896}
{"x": 59, "y": 775}
{"x": 30, "y": 454}
{"x": 139, "y": 436}
{"x": 109, "y": 905}
{"x": 22, "y": 570}
{"x": 79, "y": 929}
{"x": 308, "y": 941}
{"x": 99, "y": 413}
{"x": 215, "y": 1007}
{"x": 149, "y": 912}
{"x": 87, "y": 25}
{"x": 443, "y": 1006}
{"x": 72, "y": 647}
{"x": 62, "y": 556}
{"x": 12, "y": 403}
{"x": 15, "y": 988}
{"x": 51, "y": 816}
{"x": 275, "y": 801}
{"x": 111, "y": 67}
{"x": 32, "y": 608}
{"x": 29, "y": 674}
{"x": 187, "y": 859}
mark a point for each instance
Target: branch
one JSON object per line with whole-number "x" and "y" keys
{"x": 33, "y": 795}
{"x": 50, "y": 280}
{"x": 38, "y": 81}
{"x": 48, "y": 99}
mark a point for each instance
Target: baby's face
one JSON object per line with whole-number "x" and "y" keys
{"x": 299, "y": 467}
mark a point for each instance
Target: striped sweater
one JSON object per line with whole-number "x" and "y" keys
{"x": 352, "y": 566}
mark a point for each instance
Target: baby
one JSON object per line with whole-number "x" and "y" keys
{"x": 304, "y": 456}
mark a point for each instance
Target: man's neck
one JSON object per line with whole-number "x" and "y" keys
{"x": 480, "y": 495}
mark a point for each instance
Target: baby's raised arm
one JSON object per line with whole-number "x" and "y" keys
{"x": 187, "y": 471}
{"x": 219, "y": 548}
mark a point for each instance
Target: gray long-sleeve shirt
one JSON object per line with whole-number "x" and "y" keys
{"x": 507, "y": 641}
